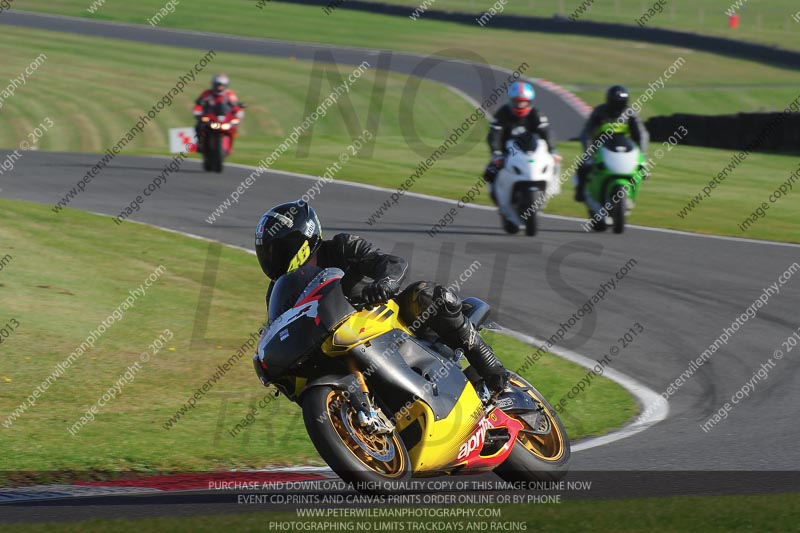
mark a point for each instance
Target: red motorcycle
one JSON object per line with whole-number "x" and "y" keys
{"x": 218, "y": 128}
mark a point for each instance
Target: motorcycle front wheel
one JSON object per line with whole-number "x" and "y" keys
{"x": 373, "y": 463}
{"x": 217, "y": 154}
{"x": 529, "y": 211}
{"x": 541, "y": 451}
{"x": 618, "y": 210}
{"x": 204, "y": 141}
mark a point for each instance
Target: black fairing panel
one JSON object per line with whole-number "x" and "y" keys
{"x": 288, "y": 288}
{"x": 395, "y": 356}
{"x": 305, "y": 306}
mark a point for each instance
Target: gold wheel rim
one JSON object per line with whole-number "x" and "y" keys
{"x": 547, "y": 447}
{"x": 380, "y": 444}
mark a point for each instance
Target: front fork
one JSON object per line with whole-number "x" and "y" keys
{"x": 369, "y": 417}
{"x": 358, "y": 398}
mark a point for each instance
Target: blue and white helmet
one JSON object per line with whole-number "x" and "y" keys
{"x": 520, "y": 96}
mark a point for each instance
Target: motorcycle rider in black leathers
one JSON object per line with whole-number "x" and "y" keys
{"x": 516, "y": 119}
{"x": 612, "y": 111}
{"x": 289, "y": 236}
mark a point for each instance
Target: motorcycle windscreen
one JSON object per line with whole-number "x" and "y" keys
{"x": 221, "y": 109}
{"x": 621, "y": 163}
{"x": 619, "y": 143}
{"x": 527, "y": 142}
{"x": 288, "y": 289}
{"x": 304, "y": 307}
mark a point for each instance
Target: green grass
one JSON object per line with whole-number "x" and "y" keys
{"x": 70, "y": 271}
{"x": 764, "y": 21}
{"x": 94, "y": 118}
{"x": 564, "y": 59}
{"x": 690, "y": 514}
{"x": 712, "y": 100}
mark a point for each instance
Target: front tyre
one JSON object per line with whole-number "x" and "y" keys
{"x": 206, "y": 148}
{"x": 217, "y": 152}
{"x": 372, "y": 463}
{"x": 541, "y": 451}
{"x": 528, "y": 208}
{"x": 618, "y": 208}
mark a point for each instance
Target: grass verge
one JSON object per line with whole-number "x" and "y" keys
{"x": 565, "y": 59}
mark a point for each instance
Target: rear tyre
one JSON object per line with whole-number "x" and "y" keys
{"x": 376, "y": 464}
{"x": 541, "y": 451}
{"x": 618, "y": 194}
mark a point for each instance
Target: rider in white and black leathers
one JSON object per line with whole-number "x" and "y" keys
{"x": 517, "y": 118}
{"x": 614, "y": 110}
{"x": 288, "y": 232}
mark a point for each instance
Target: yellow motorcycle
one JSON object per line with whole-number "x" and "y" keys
{"x": 382, "y": 405}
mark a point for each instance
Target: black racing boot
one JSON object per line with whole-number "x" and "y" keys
{"x": 580, "y": 196}
{"x": 480, "y": 355}
{"x": 200, "y": 136}
{"x": 453, "y": 327}
{"x": 492, "y": 194}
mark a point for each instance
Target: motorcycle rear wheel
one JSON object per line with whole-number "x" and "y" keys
{"x": 540, "y": 453}
{"x": 375, "y": 464}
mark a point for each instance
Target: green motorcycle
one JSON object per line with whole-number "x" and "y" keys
{"x": 612, "y": 186}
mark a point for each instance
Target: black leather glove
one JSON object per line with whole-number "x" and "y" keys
{"x": 379, "y": 292}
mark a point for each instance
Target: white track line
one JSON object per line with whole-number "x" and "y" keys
{"x": 490, "y": 208}
{"x": 644, "y": 395}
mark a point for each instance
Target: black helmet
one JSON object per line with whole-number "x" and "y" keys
{"x": 617, "y": 98}
{"x": 286, "y": 237}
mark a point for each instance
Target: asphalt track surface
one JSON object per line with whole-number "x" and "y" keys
{"x": 684, "y": 289}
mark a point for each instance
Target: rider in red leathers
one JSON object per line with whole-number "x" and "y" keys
{"x": 218, "y": 94}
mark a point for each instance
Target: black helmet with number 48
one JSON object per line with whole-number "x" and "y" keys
{"x": 286, "y": 237}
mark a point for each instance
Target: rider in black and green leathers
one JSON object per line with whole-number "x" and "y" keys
{"x": 615, "y": 112}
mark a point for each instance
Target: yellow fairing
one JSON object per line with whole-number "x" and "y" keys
{"x": 441, "y": 439}
{"x": 362, "y": 327}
